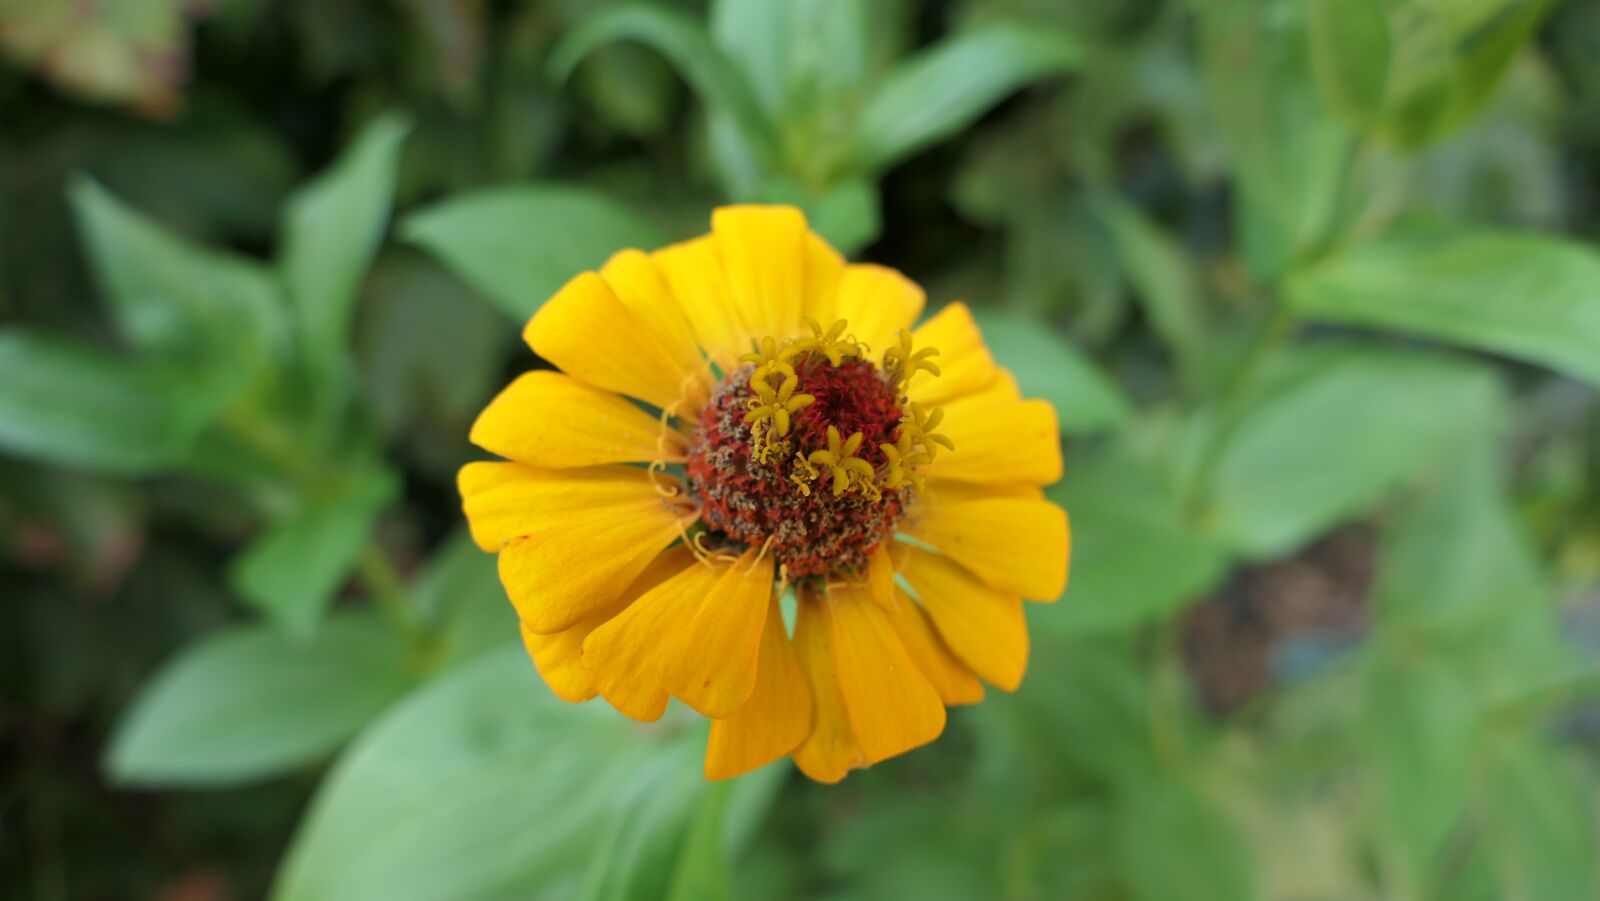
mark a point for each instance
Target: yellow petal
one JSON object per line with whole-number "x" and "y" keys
{"x": 708, "y": 660}
{"x": 593, "y": 336}
{"x": 951, "y": 678}
{"x": 830, "y": 751}
{"x": 623, "y": 655}
{"x": 824, "y": 268}
{"x": 559, "y": 655}
{"x": 505, "y": 501}
{"x": 1019, "y": 544}
{"x": 888, "y": 700}
{"x": 999, "y": 441}
{"x": 570, "y": 539}
{"x": 877, "y": 302}
{"x": 776, "y": 718}
{"x": 764, "y": 255}
{"x": 965, "y": 364}
{"x": 549, "y": 419}
{"x": 880, "y": 576}
{"x": 639, "y": 284}
{"x": 983, "y": 625}
{"x": 693, "y": 270}
{"x": 559, "y": 659}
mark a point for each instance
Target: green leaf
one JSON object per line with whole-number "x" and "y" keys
{"x": 685, "y": 44}
{"x": 1288, "y": 154}
{"x": 1134, "y": 556}
{"x": 1049, "y": 367}
{"x": 1456, "y": 555}
{"x": 846, "y": 216}
{"x": 799, "y": 58}
{"x": 1172, "y": 842}
{"x": 67, "y": 404}
{"x": 331, "y": 231}
{"x": 481, "y": 785}
{"x": 1541, "y": 834}
{"x": 947, "y": 87}
{"x": 1532, "y": 297}
{"x": 218, "y": 314}
{"x": 1448, "y": 58}
{"x": 702, "y": 868}
{"x": 293, "y": 570}
{"x": 1420, "y": 723}
{"x": 1329, "y": 440}
{"x": 519, "y": 245}
{"x": 638, "y": 851}
{"x": 247, "y": 703}
{"x": 1165, "y": 279}
{"x": 1350, "y": 55}
{"x": 459, "y": 591}
{"x": 431, "y": 354}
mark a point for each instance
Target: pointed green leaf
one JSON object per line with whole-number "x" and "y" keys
{"x": 685, "y": 44}
{"x": 332, "y": 230}
{"x": 248, "y": 703}
{"x": 66, "y": 404}
{"x": 291, "y": 572}
{"x": 1049, "y": 367}
{"x": 1333, "y": 437}
{"x": 943, "y": 89}
{"x": 1532, "y": 297}
{"x": 482, "y": 785}
{"x": 519, "y": 244}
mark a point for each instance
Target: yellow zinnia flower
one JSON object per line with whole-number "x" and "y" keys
{"x": 743, "y": 414}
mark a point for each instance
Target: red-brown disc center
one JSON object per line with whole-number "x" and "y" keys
{"x": 753, "y": 500}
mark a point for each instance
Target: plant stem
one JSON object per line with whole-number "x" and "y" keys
{"x": 387, "y": 589}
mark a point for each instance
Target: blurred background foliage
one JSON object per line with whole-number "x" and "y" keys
{"x": 1313, "y": 284}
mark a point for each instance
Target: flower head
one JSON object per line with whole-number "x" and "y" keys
{"x": 709, "y": 448}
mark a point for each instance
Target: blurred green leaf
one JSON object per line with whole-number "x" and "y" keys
{"x": 1165, "y": 278}
{"x": 1421, "y": 722}
{"x": 518, "y": 245}
{"x": 431, "y": 354}
{"x": 1172, "y": 843}
{"x": 1049, "y": 367}
{"x": 847, "y": 216}
{"x": 1134, "y": 557}
{"x": 1456, "y": 554}
{"x": 331, "y": 231}
{"x": 459, "y": 591}
{"x": 795, "y": 55}
{"x": 481, "y": 785}
{"x": 218, "y": 314}
{"x": 1541, "y": 832}
{"x": 1286, "y": 153}
{"x": 1330, "y": 438}
{"x": 702, "y": 869}
{"x": 684, "y": 42}
{"x": 637, "y": 852}
{"x": 292, "y": 571}
{"x": 1533, "y": 297}
{"x": 247, "y": 703}
{"x": 1449, "y": 57}
{"x": 943, "y": 89}
{"x": 66, "y": 404}
{"x": 1350, "y": 54}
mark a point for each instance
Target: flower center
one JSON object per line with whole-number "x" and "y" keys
{"x": 811, "y": 450}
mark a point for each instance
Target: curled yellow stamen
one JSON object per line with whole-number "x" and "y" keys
{"x": 832, "y": 343}
{"x": 919, "y": 424}
{"x": 777, "y": 405}
{"x": 844, "y": 467}
{"x": 900, "y": 362}
{"x": 900, "y": 462}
